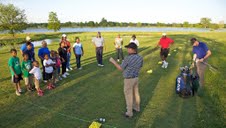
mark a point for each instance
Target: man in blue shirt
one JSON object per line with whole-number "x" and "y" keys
{"x": 41, "y": 53}
{"x": 200, "y": 57}
{"x": 24, "y": 46}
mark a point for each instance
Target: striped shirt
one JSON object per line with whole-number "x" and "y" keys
{"x": 132, "y": 65}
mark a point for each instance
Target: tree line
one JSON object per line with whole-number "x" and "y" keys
{"x": 13, "y": 20}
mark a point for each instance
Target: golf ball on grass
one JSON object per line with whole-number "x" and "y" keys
{"x": 149, "y": 71}
{"x": 169, "y": 54}
{"x": 175, "y": 50}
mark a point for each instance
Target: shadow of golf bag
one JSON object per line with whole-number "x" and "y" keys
{"x": 186, "y": 84}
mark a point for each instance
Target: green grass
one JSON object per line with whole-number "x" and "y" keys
{"x": 98, "y": 92}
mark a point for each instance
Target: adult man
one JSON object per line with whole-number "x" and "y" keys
{"x": 118, "y": 45}
{"x": 24, "y": 46}
{"x": 200, "y": 57}
{"x": 29, "y": 52}
{"x": 165, "y": 43}
{"x": 131, "y": 67}
{"x": 41, "y": 52}
{"x": 98, "y": 42}
{"x": 134, "y": 40}
{"x": 68, "y": 47}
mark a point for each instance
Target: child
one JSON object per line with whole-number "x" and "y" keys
{"x": 26, "y": 67}
{"x": 58, "y": 63}
{"x": 78, "y": 51}
{"x": 15, "y": 69}
{"x": 37, "y": 77}
{"x": 48, "y": 63}
{"x": 63, "y": 56}
{"x": 53, "y": 58}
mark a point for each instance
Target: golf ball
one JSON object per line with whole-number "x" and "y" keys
{"x": 174, "y": 50}
{"x": 149, "y": 71}
{"x": 169, "y": 54}
{"x": 160, "y": 62}
{"x": 103, "y": 120}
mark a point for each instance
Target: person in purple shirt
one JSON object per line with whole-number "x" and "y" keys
{"x": 41, "y": 53}
{"x": 200, "y": 57}
{"x": 24, "y": 46}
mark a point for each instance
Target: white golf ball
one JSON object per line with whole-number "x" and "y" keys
{"x": 103, "y": 120}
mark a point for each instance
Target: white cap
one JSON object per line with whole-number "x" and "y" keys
{"x": 64, "y": 35}
{"x": 163, "y": 34}
{"x": 28, "y": 38}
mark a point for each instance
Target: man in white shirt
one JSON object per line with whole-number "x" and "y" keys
{"x": 134, "y": 40}
{"x": 99, "y": 44}
{"x": 118, "y": 45}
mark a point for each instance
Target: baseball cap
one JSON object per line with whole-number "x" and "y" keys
{"x": 131, "y": 45}
{"x": 28, "y": 38}
{"x": 163, "y": 34}
{"x": 64, "y": 35}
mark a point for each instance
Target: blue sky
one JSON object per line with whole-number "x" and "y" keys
{"x": 150, "y": 11}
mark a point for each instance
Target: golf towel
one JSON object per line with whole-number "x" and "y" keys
{"x": 95, "y": 125}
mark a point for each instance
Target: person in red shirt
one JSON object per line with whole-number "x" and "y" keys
{"x": 165, "y": 43}
{"x": 67, "y": 45}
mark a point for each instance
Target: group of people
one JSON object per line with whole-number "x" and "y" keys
{"x": 52, "y": 61}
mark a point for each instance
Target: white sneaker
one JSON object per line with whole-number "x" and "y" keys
{"x": 18, "y": 93}
{"x": 100, "y": 65}
{"x": 64, "y": 76}
{"x": 80, "y": 68}
{"x": 67, "y": 70}
{"x": 163, "y": 64}
{"x": 166, "y": 64}
{"x": 66, "y": 73}
{"x": 71, "y": 68}
{"x": 20, "y": 90}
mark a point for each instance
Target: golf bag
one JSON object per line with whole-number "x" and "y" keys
{"x": 184, "y": 87}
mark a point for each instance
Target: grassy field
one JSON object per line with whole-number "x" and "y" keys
{"x": 96, "y": 92}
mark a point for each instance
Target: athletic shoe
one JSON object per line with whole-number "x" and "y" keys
{"x": 53, "y": 86}
{"x": 80, "y": 68}
{"x": 163, "y": 65}
{"x": 66, "y": 73}
{"x": 71, "y": 68}
{"x": 40, "y": 93}
{"x": 67, "y": 70}
{"x": 100, "y": 65}
{"x": 20, "y": 90}
{"x": 166, "y": 64}
{"x": 18, "y": 93}
{"x": 49, "y": 87}
{"x": 64, "y": 76}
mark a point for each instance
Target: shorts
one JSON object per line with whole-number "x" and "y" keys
{"x": 36, "y": 81}
{"x": 48, "y": 76}
{"x": 17, "y": 80}
{"x": 28, "y": 80}
{"x": 164, "y": 52}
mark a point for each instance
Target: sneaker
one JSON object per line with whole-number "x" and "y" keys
{"x": 166, "y": 64}
{"x": 66, "y": 73}
{"x": 67, "y": 70}
{"x": 18, "y": 93}
{"x": 40, "y": 93}
{"x": 163, "y": 65}
{"x": 53, "y": 86}
{"x": 80, "y": 68}
{"x": 100, "y": 65}
{"x": 71, "y": 68}
{"x": 64, "y": 76}
{"x": 20, "y": 90}
{"x": 49, "y": 87}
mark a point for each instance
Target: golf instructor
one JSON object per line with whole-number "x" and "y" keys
{"x": 200, "y": 57}
{"x": 164, "y": 43}
{"x": 131, "y": 67}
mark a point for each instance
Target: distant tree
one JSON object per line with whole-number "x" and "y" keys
{"x": 53, "y": 22}
{"x": 186, "y": 24}
{"x": 139, "y": 24}
{"x": 214, "y": 26}
{"x": 91, "y": 24}
{"x": 12, "y": 19}
{"x": 205, "y": 22}
{"x": 103, "y": 22}
{"x": 221, "y": 24}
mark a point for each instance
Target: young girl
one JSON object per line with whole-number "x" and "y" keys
{"x": 26, "y": 67}
{"x": 53, "y": 58}
{"x": 63, "y": 56}
{"x": 37, "y": 77}
{"x": 48, "y": 63}
{"x": 78, "y": 51}
{"x": 58, "y": 63}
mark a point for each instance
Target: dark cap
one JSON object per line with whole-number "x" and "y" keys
{"x": 193, "y": 40}
{"x": 131, "y": 45}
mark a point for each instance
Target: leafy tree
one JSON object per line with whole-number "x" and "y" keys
{"x": 139, "y": 24}
{"x": 103, "y": 22}
{"x": 221, "y": 24}
{"x": 12, "y": 19}
{"x": 205, "y": 22}
{"x": 53, "y": 22}
{"x": 91, "y": 24}
{"x": 186, "y": 24}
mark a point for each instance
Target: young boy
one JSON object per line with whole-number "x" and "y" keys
{"x": 37, "y": 77}
{"x": 78, "y": 51}
{"x": 26, "y": 67}
{"x": 48, "y": 63}
{"x": 15, "y": 69}
{"x": 53, "y": 58}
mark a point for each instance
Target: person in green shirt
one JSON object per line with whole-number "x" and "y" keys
{"x": 15, "y": 69}
{"x": 26, "y": 67}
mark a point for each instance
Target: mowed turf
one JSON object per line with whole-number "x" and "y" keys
{"x": 95, "y": 92}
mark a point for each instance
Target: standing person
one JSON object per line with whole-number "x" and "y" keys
{"x": 134, "y": 40}
{"x": 49, "y": 64}
{"x": 98, "y": 42}
{"x": 29, "y": 52}
{"x": 68, "y": 48}
{"x": 200, "y": 57}
{"x": 26, "y": 66}
{"x": 41, "y": 52}
{"x": 15, "y": 69}
{"x": 131, "y": 67}
{"x": 58, "y": 64}
{"x": 24, "y": 46}
{"x": 55, "y": 71}
{"x": 165, "y": 43}
{"x": 78, "y": 51}
{"x": 37, "y": 77}
{"x": 63, "y": 56}
{"x": 118, "y": 45}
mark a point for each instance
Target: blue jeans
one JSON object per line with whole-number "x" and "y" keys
{"x": 119, "y": 53}
{"x": 68, "y": 60}
{"x": 99, "y": 55}
{"x": 78, "y": 61}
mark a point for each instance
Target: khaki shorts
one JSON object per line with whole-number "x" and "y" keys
{"x": 36, "y": 81}
{"x": 28, "y": 80}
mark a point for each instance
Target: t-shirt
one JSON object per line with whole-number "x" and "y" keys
{"x": 78, "y": 48}
{"x": 118, "y": 42}
{"x": 31, "y": 55}
{"x": 200, "y": 50}
{"x": 14, "y": 62}
{"x": 24, "y": 47}
{"x": 37, "y": 73}
{"x": 99, "y": 42}
{"x": 48, "y": 69}
{"x": 165, "y": 42}
{"x": 135, "y": 41}
{"x": 63, "y": 53}
{"x": 26, "y": 67}
{"x": 42, "y": 51}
